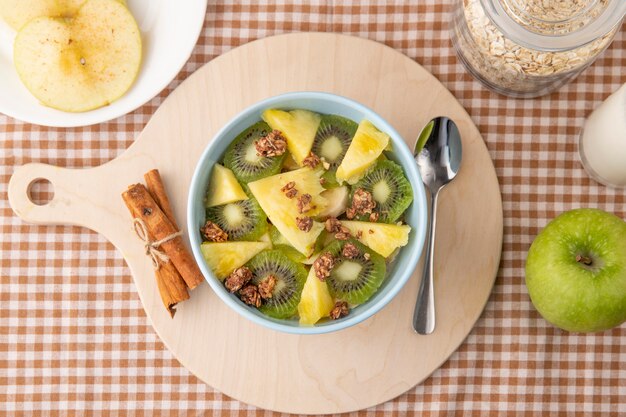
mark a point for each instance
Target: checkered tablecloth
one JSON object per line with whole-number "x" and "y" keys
{"x": 74, "y": 339}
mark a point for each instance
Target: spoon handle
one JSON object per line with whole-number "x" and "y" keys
{"x": 424, "y": 315}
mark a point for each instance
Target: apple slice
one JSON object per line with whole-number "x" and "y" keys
{"x": 337, "y": 202}
{"x": 19, "y": 12}
{"x": 69, "y": 8}
{"x": 82, "y": 63}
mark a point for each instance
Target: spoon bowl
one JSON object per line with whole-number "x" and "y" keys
{"x": 438, "y": 153}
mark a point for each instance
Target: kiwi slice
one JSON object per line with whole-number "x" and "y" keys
{"x": 242, "y": 220}
{"x": 291, "y": 252}
{"x": 290, "y": 277}
{"x": 333, "y": 138}
{"x": 276, "y": 237}
{"x": 356, "y": 279}
{"x": 241, "y": 156}
{"x": 389, "y": 187}
{"x": 329, "y": 180}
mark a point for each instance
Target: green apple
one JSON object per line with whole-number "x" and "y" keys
{"x": 576, "y": 271}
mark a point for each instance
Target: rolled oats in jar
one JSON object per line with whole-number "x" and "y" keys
{"x": 528, "y": 48}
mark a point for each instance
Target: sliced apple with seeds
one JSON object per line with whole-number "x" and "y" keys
{"x": 315, "y": 301}
{"x": 299, "y": 128}
{"x": 224, "y": 257}
{"x": 381, "y": 237}
{"x": 367, "y": 145}
{"x": 81, "y": 63}
{"x": 283, "y": 211}
{"x": 223, "y": 187}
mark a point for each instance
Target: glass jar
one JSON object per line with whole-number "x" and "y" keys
{"x": 528, "y": 48}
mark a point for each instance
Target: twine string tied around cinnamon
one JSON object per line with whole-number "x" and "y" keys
{"x": 152, "y": 247}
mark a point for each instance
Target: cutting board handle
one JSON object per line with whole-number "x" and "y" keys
{"x": 73, "y": 202}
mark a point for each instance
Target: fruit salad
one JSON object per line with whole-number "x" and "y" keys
{"x": 304, "y": 215}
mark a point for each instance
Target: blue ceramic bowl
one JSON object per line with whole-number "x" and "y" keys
{"x": 403, "y": 266}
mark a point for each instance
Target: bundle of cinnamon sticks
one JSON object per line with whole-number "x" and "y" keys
{"x": 177, "y": 270}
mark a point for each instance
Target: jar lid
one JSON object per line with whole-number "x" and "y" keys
{"x": 555, "y": 25}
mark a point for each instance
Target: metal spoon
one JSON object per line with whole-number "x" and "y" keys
{"x": 438, "y": 156}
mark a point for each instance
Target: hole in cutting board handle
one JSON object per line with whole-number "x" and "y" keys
{"x": 40, "y": 191}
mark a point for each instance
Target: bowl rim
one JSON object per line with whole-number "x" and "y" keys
{"x": 401, "y": 276}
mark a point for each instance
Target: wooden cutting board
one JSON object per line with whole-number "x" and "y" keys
{"x": 349, "y": 370}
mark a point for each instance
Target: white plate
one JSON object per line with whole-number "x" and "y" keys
{"x": 169, "y": 30}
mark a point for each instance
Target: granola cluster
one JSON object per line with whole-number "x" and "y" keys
{"x": 304, "y": 223}
{"x": 343, "y": 234}
{"x": 362, "y": 203}
{"x": 239, "y": 282}
{"x": 290, "y": 189}
{"x": 213, "y": 232}
{"x": 237, "y": 279}
{"x": 304, "y": 203}
{"x": 250, "y": 295}
{"x": 323, "y": 265}
{"x": 266, "y": 287}
{"x": 350, "y": 251}
{"x": 311, "y": 160}
{"x": 333, "y": 225}
{"x": 272, "y": 144}
{"x": 340, "y": 310}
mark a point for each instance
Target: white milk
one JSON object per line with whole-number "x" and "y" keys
{"x": 603, "y": 141}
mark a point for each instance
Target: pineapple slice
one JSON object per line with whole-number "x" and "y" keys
{"x": 367, "y": 145}
{"x": 224, "y": 257}
{"x": 299, "y": 128}
{"x": 282, "y": 211}
{"x": 316, "y": 301}
{"x": 223, "y": 187}
{"x": 381, "y": 237}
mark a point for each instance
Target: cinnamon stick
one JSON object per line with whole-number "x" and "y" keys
{"x": 155, "y": 186}
{"x": 171, "y": 285}
{"x": 160, "y": 227}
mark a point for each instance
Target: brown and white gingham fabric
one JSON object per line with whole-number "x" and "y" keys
{"x": 74, "y": 339}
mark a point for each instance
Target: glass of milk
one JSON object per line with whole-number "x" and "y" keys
{"x": 602, "y": 145}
